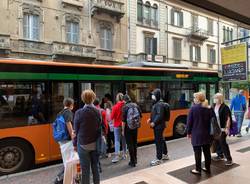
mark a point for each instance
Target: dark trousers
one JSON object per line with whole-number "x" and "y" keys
{"x": 131, "y": 140}
{"x": 222, "y": 147}
{"x": 161, "y": 146}
{"x": 89, "y": 159}
{"x": 207, "y": 155}
{"x": 110, "y": 141}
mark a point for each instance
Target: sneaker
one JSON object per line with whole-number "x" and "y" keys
{"x": 239, "y": 135}
{"x": 155, "y": 162}
{"x": 165, "y": 157}
{"x": 124, "y": 157}
{"x": 218, "y": 158}
{"x": 116, "y": 159}
{"x": 229, "y": 162}
{"x": 131, "y": 164}
{"x": 206, "y": 170}
{"x": 194, "y": 171}
{"x": 247, "y": 129}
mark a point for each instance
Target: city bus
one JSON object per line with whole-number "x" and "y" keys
{"x": 32, "y": 92}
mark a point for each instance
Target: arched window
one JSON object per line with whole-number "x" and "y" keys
{"x": 139, "y": 11}
{"x": 147, "y": 12}
{"x": 155, "y": 14}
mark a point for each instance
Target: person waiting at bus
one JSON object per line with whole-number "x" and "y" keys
{"x": 116, "y": 116}
{"x": 238, "y": 105}
{"x": 157, "y": 122}
{"x": 110, "y": 137}
{"x": 131, "y": 114}
{"x": 87, "y": 125}
{"x": 224, "y": 118}
{"x": 66, "y": 146}
{"x": 198, "y": 130}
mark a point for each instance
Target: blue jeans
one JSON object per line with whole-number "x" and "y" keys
{"x": 118, "y": 137}
{"x": 239, "y": 116}
{"x": 87, "y": 159}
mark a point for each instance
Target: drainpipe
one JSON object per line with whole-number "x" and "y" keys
{"x": 90, "y": 29}
{"x": 167, "y": 33}
{"x": 128, "y": 46}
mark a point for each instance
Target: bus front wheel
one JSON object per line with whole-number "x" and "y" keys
{"x": 15, "y": 155}
{"x": 180, "y": 127}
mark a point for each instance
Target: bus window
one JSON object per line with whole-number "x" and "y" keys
{"x": 60, "y": 90}
{"x": 101, "y": 89}
{"x": 140, "y": 94}
{"x": 22, "y": 104}
{"x": 178, "y": 95}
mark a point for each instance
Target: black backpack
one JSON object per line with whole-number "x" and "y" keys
{"x": 166, "y": 111}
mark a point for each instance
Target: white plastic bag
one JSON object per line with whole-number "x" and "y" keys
{"x": 70, "y": 170}
{"x": 67, "y": 151}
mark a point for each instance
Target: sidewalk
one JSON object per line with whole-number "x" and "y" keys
{"x": 181, "y": 156}
{"x": 162, "y": 173}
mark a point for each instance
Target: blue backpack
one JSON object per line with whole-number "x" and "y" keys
{"x": 60, "y": 131}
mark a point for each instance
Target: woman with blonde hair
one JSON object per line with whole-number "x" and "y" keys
{"x": 87, "y": 125}
{"x": 198, "y": 129}
{"x": 224, "y": 119}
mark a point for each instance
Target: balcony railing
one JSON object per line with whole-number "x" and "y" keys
{"x": 147, "y": 22}
{"x": 111, "y": 7}
{"x": 198, "y": 34}
{"x": 61, "y": 48}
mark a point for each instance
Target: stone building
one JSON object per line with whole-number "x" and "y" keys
{"x": 83, "y": 31}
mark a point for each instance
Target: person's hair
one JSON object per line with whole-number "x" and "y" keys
{"x": 67, "y": 102}
{"x": 96, "y": 101}
{"x": 108, "y": 96}
{"x": 200, "y": 97}
{"x": 205, "y": 104}
{"x": 220, "y": 97}
{"x": 119, "y": 97}
{"x": 126, "y": 98}
{"x": 108, "y": 105}
{"x": 88, "y": 96}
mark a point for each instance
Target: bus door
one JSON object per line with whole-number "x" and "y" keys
{"x": 59, "y": 91}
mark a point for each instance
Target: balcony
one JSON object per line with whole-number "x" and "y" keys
{"x": 111, "y": 7}
{"x": 30, "y": 47}
{"x": 103, "y": 54}
{"x": 69, "y": 49}
{"x": 147, "y": 22}
{"x": 198, "y": 34}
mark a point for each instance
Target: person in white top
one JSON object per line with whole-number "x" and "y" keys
{"x": 224, "y": 119}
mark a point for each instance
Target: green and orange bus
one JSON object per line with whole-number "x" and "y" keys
{"x": 32, "y": 92}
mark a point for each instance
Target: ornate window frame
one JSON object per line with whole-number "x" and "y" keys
{"x": 35, "y": 10}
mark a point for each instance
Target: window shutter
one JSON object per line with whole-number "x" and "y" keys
{"x": 146, "y": 42}
{"x": 154, "y": 46}
{"x": 35, "y": 27}
{"x": 191, "y": 52}
{"x": 213, "y": 56}
{"x": 179, "y": 49}
{"x": 109, "y": 39}
{"x": 198, "y": 53}
{"x": 172, "y": 16}
{"x": 102, "y": 38}
{"x": 26, "y": 26}
{"x": 181, "y": 18}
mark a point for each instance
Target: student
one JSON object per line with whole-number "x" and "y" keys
{"x": 116, "y": 116}
{"x": 198, "y": 130}
{"x": 159, "y": 116}
{"x": 238, "y": 105}
{"x": 110, "y": 136}
{"x": 131, "y": 122}
{"x": 66, "y": 146}
{"x": 87, "y": 124}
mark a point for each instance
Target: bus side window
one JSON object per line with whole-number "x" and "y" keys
{"x": 22, "y": 104}
{"x": 60, "y": 90}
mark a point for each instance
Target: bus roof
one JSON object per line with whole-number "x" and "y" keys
{"x": 118, "y": 67}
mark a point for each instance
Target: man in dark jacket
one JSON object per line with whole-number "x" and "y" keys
{"x": 157, "y": 122}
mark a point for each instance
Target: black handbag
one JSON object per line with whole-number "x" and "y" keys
{"x": 215, "y": 129}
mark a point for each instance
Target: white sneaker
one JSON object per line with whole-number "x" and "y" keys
{"x": 155, "y": 162}
{"x": 165, "y": 157}
{"x": 116, "y": 159}
{"x": 124, "y": 156}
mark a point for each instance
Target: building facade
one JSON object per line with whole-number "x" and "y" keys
{"x": 83, "y": 31}
{"x": 176, "y": 32}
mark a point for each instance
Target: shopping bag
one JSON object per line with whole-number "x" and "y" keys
{"x": 72, "y": 171}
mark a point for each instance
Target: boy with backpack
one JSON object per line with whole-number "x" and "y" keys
{"x": 131, "y": 117}
{"x": 63, "y": 133}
